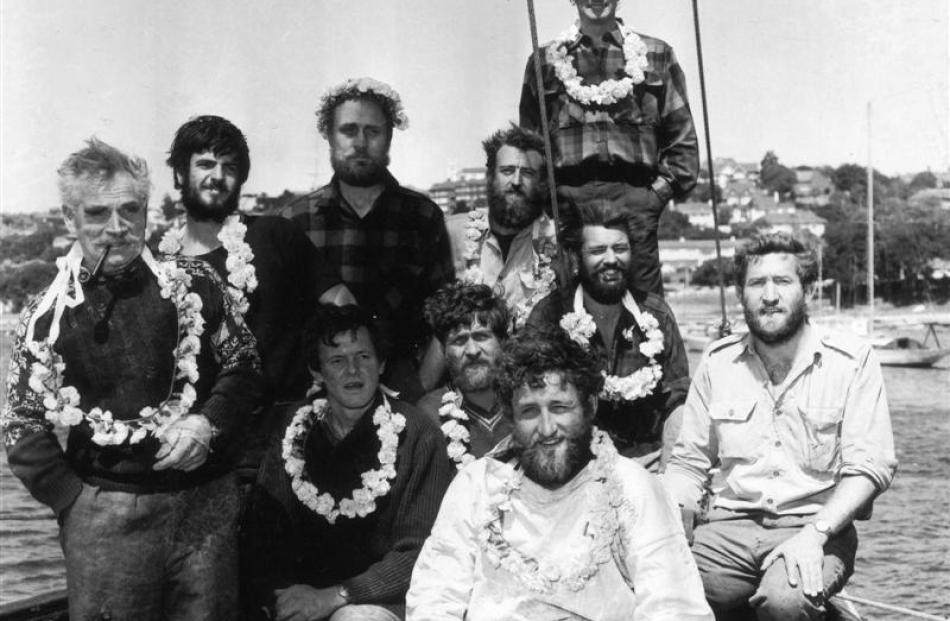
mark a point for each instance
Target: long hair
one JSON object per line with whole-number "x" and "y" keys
{"x": 208, "y": 133}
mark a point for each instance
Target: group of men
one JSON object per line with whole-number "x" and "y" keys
{"x": 549, "y": 380}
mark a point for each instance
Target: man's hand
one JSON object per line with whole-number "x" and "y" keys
{"x": 804, "y": 556}
{"x": 185, "y": 444}
{"x": 302, "y": 602}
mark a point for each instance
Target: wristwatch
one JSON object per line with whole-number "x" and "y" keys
{"x": 822, "y": 527}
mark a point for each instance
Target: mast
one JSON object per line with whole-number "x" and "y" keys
{"x": 724, "y": 327}
{"x": 870, "y": 239}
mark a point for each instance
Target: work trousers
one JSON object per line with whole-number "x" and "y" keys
{"x": 729, "y": 554}
{"x": 152, "y": 556}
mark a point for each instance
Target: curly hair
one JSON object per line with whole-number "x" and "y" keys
{"x": 95, "y": 164}
{"x": 208, "y": 133}
{"x": 458, "y": 304}
{"x": 329, "y": 321}
{"x": 777, "y": 243}
{"x": 606, "y": 210}
{"x": 534, "y": 352}
{"x": 517, "y": 137}
{"x": 365, "y": 89}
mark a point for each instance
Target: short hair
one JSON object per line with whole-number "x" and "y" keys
{"x": 534, "y": 352}
{"x": 458, "y": 304}
{"x": 777, "y": 243}
{"x": 607, "y": 210}
{"x": 366, "y": 89}
{"x": 96, "y": 164}
{"x": 330, "y": 321}
{"x": 515, "y": 136}
{"x": 208, "y": 133}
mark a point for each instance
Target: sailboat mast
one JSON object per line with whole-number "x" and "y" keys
{"x": 870, "y": 238}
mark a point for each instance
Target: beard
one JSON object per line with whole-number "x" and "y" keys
{"x": 794, "y": 321}
{"x": 604, "y": 292}
{"x": 513, "y": 209}
{"x": 202, "y": 211}
{"x": 355, "y": 170}
{"x": 552, "y": 467}
{"x": 469, "y": 375}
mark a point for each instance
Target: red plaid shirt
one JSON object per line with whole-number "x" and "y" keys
{"x": 391, "y": 259}
{"x": 651, "y": 132}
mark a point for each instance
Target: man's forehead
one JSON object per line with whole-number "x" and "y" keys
{"x": 472, "y": 324}
{"x": 121, "y": 188}
{"x": 592, "y": 234}
{"x": 553, "y": 384}
{"x": 509, "y": 155}
{"x": 349, "y": 340}
{"x": 359, "y": 111}
{"x": 209, "y": 154}
{"x": 773, "y": 261}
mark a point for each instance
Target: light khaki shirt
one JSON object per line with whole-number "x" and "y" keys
{"x": 782, "y": 448}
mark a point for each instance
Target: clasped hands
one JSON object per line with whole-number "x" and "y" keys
{"x": 185, "y": 444}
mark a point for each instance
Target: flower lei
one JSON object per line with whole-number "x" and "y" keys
{"x": 609, "y": 91}
{"x": 375, "y": 482}
{"x": 580, "y": 326}
{"x": 539, "y": 276}
{"x": 456, "y": 432}
{"x": 62, "y": 402}
{"x": 242, "y": 277}
{"x": 353, "y": 87}
{"x": 604, "y": 528}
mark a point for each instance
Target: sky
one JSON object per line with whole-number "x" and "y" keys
{"x": 792, "y": 76}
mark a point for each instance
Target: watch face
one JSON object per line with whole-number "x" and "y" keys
{"x": 822, "y": 527}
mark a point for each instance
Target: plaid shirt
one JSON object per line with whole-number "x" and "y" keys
{"x": 391, "y": 259}
{"x": 651, "y": 132}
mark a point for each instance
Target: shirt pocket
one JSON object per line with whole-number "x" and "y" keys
{"x": 822, "y": 425}
{"x": 730, "y": 424}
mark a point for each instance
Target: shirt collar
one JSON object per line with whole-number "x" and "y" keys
{"x": 614, "y": 37}
{"x": 810, "y": 346}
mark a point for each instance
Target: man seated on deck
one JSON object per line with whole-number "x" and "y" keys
{"x": 553, "y": 523}
{"x": 387, "y": 243}
{"x": 151, "y": 365}
{"x": 796, "y": 419}
{"x": 619, "y": 121}
{"x": 348, "y": 494}
{"x": 509, "y": 246}
{"x": 632, "y": 334}
{"x": 471, "y": 324}
{"x": 269, "y": 264}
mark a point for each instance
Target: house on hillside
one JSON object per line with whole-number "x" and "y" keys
{"x": 812, "y": 187}
{"x": 795, "y": 222}
{"x": 465, "y": 189}
{"x": 937, "y": 196}
{"x": 698, "y": 213}
{"x": 680, "y": 257}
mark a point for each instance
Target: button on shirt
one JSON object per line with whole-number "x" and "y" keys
{"x": 783, "y": 448}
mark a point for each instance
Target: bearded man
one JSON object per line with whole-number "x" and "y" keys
{"x": 796, "y": 419}
{"x": 273, "y": 271}
{"x": 618, "y": 118}
{"x": 348, "y": 495}
{"x": 151, "y": 366}
{"x": 386, "y": 243}
{"x": 471, "y": 324}
{"x": 509, "y": 246}
{"x": 553, "y": 523}
{"x": 632, "y": 334}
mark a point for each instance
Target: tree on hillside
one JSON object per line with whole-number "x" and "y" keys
{"x": 922, "y": 181}
{"x": 853, "y": 180}
{"x": 707, "y": 274}
{"x": 776, "y": 178}
{"x": 19, "y": 283}
{"x": 673, "y": 225}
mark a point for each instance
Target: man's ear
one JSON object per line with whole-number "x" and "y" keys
{"x": 810, "y": 293}
{"x": 316, "y": 375}
{"x": 592, "y": 402}
{"x": 382, "y": 367}
{"x": 179, "y": 183}
{"x": 69, "y": 217}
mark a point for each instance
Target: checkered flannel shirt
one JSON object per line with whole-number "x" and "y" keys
{"x": 651, "y": 130}
{"x": 391, "y": 259}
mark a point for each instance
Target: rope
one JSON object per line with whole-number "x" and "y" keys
{"x": 890, "y": 607}
{"x": 724, "y": 328}
{"x": 548, "y": 154}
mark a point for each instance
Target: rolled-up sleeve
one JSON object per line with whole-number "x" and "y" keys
{"x": 695, "y": 448}
{"x": 867, "y": 441}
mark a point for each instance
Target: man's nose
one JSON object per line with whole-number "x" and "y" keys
{"x": 516, "y": 177}
{"x": 471, "y": 348}
{"x": 216, "y": 173}
{"x": 352, "y": 366}
{"x": 770, "y": 291}
{"x": 610, "y": 256}
{"x": 116, "y": 225}
{"x": 547, "y": 427}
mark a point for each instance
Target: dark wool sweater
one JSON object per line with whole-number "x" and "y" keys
{"x": 118, "y": 349}
{"x": 284, "y": 543}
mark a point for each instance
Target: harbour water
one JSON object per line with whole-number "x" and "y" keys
{"x": 903, "y": 557}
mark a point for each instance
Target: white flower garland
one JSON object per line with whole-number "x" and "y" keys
{"x": 609, "y": 91}
{"x": 458, "y": 435}
{"x": 580, "y": 326}
{"x": 352, "y": 86}
{"x": 539, "y": 276}
{"x": 62, "y": 402}
{"x": 603, "y": 530}
{"x": 375, "y": 482}
{"x": 242, "y": 277}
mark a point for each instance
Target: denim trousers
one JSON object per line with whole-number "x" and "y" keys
{"x": 729, "y": 554}
{"x": 152, "y": 556}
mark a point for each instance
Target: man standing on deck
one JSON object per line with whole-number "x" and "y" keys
{"x": 617, "y": 116}
{"x": 553, "y": 523}
{"x": 270, "y": 266}
{"x": 796, "y": 419}
{"x": 509, "y": 246}
{"x": 388, "y": 244}
{"x": 471, "y": 323}
{"x": 151, "y": 365}
{"x": 347, "y": 498}
{"x": 632, "y": 334}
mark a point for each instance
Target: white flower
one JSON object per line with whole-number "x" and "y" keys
{"x": 579, "y": 326}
